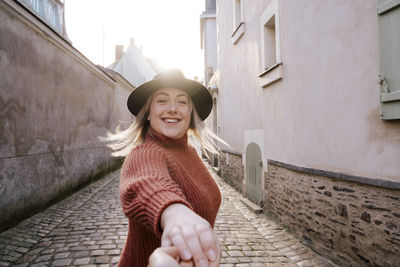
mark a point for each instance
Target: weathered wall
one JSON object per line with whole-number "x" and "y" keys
{"x": 54, "y": 104}
{"x": 121, "y": 116}
{"x": 231, "y": 169}
{"x": 353, "y": 223}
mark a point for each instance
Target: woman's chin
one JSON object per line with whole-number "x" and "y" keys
{"x": 171, "y": 134}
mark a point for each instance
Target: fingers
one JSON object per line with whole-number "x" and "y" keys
{"x": 219, "y": 254}
{"x": 198, "y": 243}
{"x": 192, "y": 241}
{"x": 209, "y": 242}
{"x": 165, "y": 241}
{"x": 178, "y": 240}
{"x": 191, "y": 234}
{"x": 171, "y": 251}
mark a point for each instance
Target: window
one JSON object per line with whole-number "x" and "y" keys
{"x": 237, "y": 18}
{"x": 389, "y": 44}
{"x": 51, "y": 11}
{"x": 269, "y": 35}
{"x": 271, "y": 66}
{"x": 238, "y": 24}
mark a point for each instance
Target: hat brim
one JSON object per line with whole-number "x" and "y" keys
{"x": 200, "y": 96}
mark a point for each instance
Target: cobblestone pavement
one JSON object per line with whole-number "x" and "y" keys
{"x": 89, "y": 229}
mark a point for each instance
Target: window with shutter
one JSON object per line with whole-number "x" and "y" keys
{"x": 389, "y": 39}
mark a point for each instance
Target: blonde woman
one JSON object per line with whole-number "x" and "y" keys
{"x": 167, "y": 193}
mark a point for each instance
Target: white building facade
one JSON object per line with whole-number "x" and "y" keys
{"x": 307, "y": 96}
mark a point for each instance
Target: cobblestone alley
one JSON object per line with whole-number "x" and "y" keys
{"x": 89, "y": 229}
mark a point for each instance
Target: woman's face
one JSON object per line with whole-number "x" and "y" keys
{"x": 170, "y": 112}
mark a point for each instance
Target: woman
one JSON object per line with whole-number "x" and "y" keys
{"x": 166, "y": 191}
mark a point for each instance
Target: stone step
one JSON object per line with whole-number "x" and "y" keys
{"x": 251, "y": 206}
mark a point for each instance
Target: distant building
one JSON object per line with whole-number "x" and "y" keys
{"x": 208, "y": 42}
{"x": 133, "y": 65}
{"x": 208, "y": 39}
{"x": 307, "y": 94}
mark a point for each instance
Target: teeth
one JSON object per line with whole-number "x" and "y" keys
{"x": 171, "y": 120}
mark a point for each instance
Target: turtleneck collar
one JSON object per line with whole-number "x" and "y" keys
{"x": 151, "y": 133}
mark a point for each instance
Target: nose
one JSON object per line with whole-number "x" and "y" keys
{"x": 172, "y": 106}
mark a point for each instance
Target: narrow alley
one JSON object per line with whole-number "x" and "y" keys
{"x": 306, "y": 94}
{"x": 89, "y": 229}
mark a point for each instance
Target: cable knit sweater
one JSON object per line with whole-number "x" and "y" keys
{"x": 157, "y": 173}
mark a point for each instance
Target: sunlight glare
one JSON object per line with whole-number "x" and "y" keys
{"x": 168, "y": 31}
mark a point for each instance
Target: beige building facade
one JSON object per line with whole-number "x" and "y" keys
{"x": 301, "y": 100}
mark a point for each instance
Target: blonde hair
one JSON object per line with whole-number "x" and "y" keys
{"x": 123, "y": 141}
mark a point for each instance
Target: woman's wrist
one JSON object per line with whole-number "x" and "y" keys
{"x": 171, "y": 212}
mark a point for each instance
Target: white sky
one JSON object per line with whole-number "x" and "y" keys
{"x": 168, "y": 30}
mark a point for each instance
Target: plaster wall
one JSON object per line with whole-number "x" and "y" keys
{"x": 54, "y": 104}
{"x": 210, "y": 44}
{"x": 121, "y": 115}
{"x": 239, "y": 97}
{"x": 324, "y": 113}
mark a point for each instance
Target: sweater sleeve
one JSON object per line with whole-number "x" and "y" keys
{"x": 147, "y": 188}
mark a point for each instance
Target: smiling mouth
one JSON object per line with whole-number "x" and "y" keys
{"x": 171, "y": 120}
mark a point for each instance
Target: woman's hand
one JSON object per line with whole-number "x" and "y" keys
{"x": 191, "y": 234}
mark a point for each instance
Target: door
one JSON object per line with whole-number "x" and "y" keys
{"x": 254, "y": 173}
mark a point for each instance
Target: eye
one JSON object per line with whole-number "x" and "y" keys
{"x": 161, "y": 100}
{"x": 183, "y": 100}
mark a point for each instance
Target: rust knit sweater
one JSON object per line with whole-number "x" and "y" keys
{"x": 157, "y": 173}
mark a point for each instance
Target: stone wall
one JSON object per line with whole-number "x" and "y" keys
{"x": 54, "y": 104}
{"x": 232, "y": 169}
{"x": 354, "y": 223}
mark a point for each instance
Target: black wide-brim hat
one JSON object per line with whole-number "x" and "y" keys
{"x": 172, "y": 78}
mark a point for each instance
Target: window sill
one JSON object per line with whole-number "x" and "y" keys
{"x": 238, "y": 33}
{"x": 271, "y": 75}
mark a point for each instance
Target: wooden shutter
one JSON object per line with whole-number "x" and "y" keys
{"x": 389, "y": 39}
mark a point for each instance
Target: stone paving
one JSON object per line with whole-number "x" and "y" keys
{"x": 89, "y": 229}
{"x": 249, "y": 239}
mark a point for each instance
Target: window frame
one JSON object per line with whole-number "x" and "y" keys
{"x": 238, "y": 21}
{"x": 271, "y": 71}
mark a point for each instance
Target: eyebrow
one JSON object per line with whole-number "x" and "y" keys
{"x": 179, "y": 95}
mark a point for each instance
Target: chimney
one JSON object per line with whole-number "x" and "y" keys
{"x": 119, "y": 50}
{"x": 132, "y": 41}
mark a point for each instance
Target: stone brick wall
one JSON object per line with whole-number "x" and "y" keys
{"x": 353, "y": 223}
{"x": 232, "y": 169}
